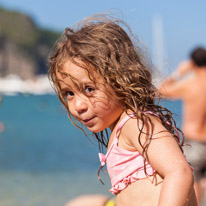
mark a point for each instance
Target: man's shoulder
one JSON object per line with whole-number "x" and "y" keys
{"x": 189, "y": 77}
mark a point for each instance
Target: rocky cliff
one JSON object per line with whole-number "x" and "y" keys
{"x": 24, "y": 47}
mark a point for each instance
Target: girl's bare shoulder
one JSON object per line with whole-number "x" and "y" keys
{"x": 136, "y": 132}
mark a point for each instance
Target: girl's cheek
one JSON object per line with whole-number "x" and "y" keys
{"x": 69, "y": 108}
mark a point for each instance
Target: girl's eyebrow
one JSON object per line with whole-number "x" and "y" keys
{"x": 64, "y": 87}
{"x": 88, "y": 82}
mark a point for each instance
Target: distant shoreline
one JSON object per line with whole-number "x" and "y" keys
{"x": 13, "y": 85}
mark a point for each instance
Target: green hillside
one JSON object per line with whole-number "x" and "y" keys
{"x": 22, "y": 42}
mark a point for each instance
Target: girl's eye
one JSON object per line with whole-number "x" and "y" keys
{"x": 89, "y": 90}
{"x": 68, "y": 94}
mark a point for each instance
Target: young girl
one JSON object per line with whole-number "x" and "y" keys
{"x": 102, "y": 80}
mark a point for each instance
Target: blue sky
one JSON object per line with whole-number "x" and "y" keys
{"x": 183, "y": 20}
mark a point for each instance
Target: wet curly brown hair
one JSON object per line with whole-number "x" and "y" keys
{"x": 104, "y": 45}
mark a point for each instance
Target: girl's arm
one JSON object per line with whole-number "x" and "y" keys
{"x": 166, "y": 158}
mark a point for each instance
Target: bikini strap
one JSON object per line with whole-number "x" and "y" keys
{"x": 125, "y": 119}
{"x": 121, "y": 124}
{"x": 115, "y": 141}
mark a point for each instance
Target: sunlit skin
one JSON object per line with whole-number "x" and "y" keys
{"x": 90, "y": 105}
{"x": 88, "y": 102}
{"x": 190, "y": 88}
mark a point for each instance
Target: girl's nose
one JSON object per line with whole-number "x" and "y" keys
{"x": 80, "y": 104}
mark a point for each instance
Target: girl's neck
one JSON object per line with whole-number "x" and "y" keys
{"x": 111, "y": 127}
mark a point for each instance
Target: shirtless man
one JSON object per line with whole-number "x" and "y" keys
{"x": 188, "y": 83}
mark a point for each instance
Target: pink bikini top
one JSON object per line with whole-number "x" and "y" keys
{"x": 124, "y": 166}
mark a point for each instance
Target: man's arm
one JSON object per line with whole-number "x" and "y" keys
{"x": 174, "y": 86}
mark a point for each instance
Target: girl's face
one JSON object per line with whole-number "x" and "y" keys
{"x": 88, "y": 103}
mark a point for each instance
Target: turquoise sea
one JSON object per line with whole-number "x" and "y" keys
{"x": 44, "y": 159}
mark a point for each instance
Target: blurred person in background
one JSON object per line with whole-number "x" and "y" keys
{"x": 188, "y": 83}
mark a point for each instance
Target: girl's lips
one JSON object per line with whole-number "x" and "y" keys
{"x": 88, "y": 121}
